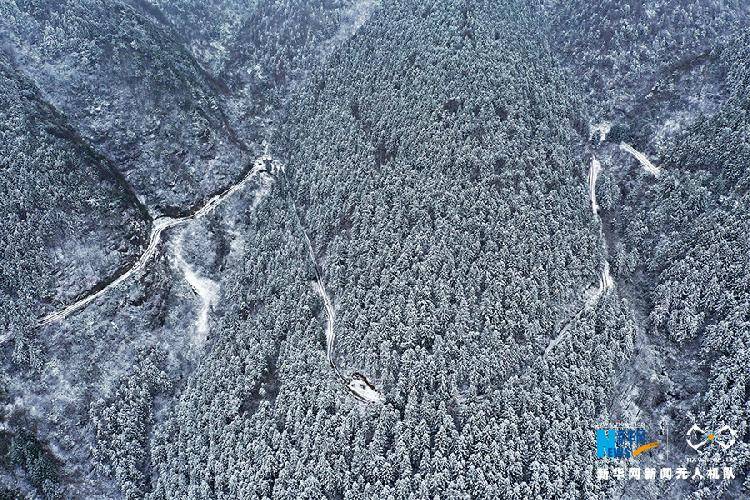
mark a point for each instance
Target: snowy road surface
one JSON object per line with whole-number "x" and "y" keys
{"x": 160, "y": 224}
{"x": 605, "y": 279}
{"x": 644, "y": 161}
{"x": 594, "y": 170}
{"x": 605, "y": 283}
{"x": 320, "y": 289}
{"x": 330, "y": 318}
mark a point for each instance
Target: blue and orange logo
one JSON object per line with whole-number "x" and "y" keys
{"x": 622, "y": 442}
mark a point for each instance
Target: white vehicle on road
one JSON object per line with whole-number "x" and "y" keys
{"x": 363, "y": 389}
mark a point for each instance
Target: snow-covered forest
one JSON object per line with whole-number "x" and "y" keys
{"x": 370, "y": 249}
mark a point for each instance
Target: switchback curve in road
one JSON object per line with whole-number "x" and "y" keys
{"x": 159, "y": 225}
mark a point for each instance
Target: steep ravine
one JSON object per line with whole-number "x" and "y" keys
{"x": 644, "y": 390}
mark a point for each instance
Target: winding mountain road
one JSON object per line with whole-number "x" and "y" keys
{"x": 605, "y": 279}
{"x": 357, "y": 384}
{"x": 160, "y": 224}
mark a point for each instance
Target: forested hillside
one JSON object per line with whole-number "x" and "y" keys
{"x": 649, "y": 68}
{"x": 444, "y": 192}
{"x": 689, "y": 235}
{"x": 622, "y": 50}
{"x": 677, "y": 241}
{"x": 73, "y": 220}
{"x": 134, "y": 93}
{"x": 257, "y": 50}
{"x": 81, "y": 394}
{"x": 69, "y": 221}
{"x": 354, "y": 249}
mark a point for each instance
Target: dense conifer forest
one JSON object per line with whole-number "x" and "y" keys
{"x": 355, "y": 249}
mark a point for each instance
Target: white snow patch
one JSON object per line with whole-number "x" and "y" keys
{"x": 237, "y": 242}
{"x": 352, "y": 20}
{"x": 365, "y": 391}
{"x": 206, "y": 289}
